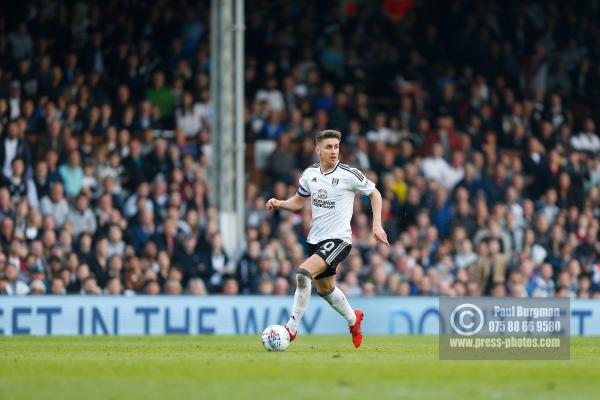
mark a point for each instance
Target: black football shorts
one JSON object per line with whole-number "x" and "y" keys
{"x": 333, "y": 251}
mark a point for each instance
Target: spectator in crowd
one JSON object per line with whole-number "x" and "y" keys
{"x": 55, "y": 205}
{"x": 81, "y": 217}
{"x": 12, "y": 285}
{"x": 196, "y": 287}
{"x": 19, "y": 186}
{"x": 12, "y": 148}
{"x": 37, "y": 287}
{"x": 587, "y": 140}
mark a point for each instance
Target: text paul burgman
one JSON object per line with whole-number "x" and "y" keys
{"x": 526, "y": 312}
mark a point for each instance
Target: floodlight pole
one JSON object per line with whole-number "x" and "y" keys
{"x": 240, "y": 152}
{"x": 227, "y": 134}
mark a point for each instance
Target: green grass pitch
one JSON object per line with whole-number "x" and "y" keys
{"x": 324, "y": 368}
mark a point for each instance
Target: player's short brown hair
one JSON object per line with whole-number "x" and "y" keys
{"x": 328, "y": 134}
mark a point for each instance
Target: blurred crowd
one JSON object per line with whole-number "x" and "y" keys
{"x": 477, "y": 121}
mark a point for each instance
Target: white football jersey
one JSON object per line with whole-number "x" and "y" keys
{"x": 332, "y": 200}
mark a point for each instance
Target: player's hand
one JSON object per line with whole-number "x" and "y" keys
{"x": 380, "y": 235}
{"x": 273, "y": 203}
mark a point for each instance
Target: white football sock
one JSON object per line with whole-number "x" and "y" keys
{"x": 338, "y": 301}
{"x": 301, "y": 297}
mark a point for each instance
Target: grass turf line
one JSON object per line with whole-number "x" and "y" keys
{"x": 326, "y": 367}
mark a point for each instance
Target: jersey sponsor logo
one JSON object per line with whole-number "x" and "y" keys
{"x": 319, "y": 200}
{"x": 335, "y": 181}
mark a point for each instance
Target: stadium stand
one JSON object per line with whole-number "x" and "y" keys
{"x": 481, "y": 136}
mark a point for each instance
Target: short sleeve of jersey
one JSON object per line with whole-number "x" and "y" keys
{"x": 360, "y": 183}
{"x": 303, "y": 189}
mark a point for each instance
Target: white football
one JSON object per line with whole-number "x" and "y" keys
{"x": 275, "y": 338}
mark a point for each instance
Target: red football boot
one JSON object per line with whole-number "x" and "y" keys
{"x": 292, "y": 335}
{"x": 355, "y": 329}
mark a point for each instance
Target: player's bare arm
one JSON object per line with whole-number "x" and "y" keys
{"x": 294, "y": 203}
{"x": 376, "y": 205}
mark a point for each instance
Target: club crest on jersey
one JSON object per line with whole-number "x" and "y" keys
{"x": 314, "y": 179}
{"x": 335, "y": 181}
{"x": 322, "y": 194}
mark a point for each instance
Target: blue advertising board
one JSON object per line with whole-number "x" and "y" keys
{"x": 236, "y": 315}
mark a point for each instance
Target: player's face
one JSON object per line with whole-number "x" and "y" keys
{"x": 328, "y": 151}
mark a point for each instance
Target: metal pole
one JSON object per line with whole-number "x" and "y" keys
{"x": 227, "y": 135}
{"x": 227, "y": 168}
{"x": 215, "y": 98}
{"x": 222, "y": 133}
{"x": 239, "y": 120}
